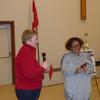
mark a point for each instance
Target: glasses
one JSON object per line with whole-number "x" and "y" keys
{"x": 75, "y": 46}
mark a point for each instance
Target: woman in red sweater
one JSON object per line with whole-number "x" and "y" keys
{"x": 29, "y": 73}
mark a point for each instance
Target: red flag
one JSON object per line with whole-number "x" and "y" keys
{"x": 50, "y": 72}
{"x": 35, "y": 22}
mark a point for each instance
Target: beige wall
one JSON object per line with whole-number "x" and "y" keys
{"x": 58, "y": 20}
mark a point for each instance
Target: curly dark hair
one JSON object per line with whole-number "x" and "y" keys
{"x": 68, "y": 44}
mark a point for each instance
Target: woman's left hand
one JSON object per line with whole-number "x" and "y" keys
{"x": 85, "y": 69}
{"x": 44, "y": 65}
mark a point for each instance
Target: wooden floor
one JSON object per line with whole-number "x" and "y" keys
{"x": 48, "y": 93}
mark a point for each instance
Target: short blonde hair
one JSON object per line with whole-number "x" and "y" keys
{"x": 27, "y": 35}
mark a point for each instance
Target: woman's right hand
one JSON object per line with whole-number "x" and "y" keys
{"x": 78, "y": 70}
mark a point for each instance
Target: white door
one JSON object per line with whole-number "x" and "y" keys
{"x": 5, "y": 58}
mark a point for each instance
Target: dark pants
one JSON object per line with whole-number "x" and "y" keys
{"x": 28, "y": 94}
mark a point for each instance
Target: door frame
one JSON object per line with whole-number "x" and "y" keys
{"x": 12, "y": 28}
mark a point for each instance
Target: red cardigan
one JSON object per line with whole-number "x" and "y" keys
{"x": 29, "y": 73}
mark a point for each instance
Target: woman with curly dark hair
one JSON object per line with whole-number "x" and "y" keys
{"x": 76, "y": 68}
